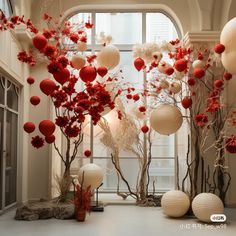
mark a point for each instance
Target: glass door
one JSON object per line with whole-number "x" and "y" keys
{"x": 8, "y": 141}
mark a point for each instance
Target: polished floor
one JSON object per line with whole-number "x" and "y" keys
{"x": 118, "y": 221}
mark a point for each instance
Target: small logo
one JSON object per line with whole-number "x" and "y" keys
{"x": 218, "y": 218}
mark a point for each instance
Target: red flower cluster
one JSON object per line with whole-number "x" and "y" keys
{"x": 37, "y": 142}
{"x": 201, "y": 120}
{"x": 26, "y": 58}
{"x": 231, "y": 144}
{"x": 213, "y": 102}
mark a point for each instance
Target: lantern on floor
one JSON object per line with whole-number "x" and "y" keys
{"x": 93, "y": 176}
{"x": 166, "y": 119}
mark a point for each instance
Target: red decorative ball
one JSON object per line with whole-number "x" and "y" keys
{"x": 199, "y": 73}
{"x": 88, "y": 74}
{"x": 136, "y": 97}
{"x": 29, "y": 127}
{"x": 102, "y": 71}
{"x": 47, "y": 86}
{"x": 87, "y": 153}
{"x": 231, "y": 144}
{"x": 139, "y": 63}
{"x": 219, "y": 48}
{"x": 145, "y": 129}
{"x": 227, "y": 76}
{"x": 50, "y": 139}
{"x": 142, "y": 109}
{"x": 129, "y": 96}
{"x": 39, "y": 41}
{"x": 35, "y": 100}
{"x": 218, "y": 83}
{"x": 47, "y": 127}
{"x": 30, "y": 80}
{"x": 191, "y": 82}
{"x": 62, "y": 76}
{"x": 169, "y": 71}
{"x": 186, "y": 102}
{"x": 181, "y": 65}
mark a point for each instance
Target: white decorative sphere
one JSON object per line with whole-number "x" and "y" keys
{"x": 206, "y": 204}
{"x": 164, "y": 84}
{"x": 175, "y": 87}
{"x": 198, "y": 64}
{"x": 228, "y": 61}
{"x": 175, "y": 203}
{"x": 166, "y": 119}
{"x": 227, "y": 34}
{"x": 78, "y": 61}
{"x": 108, "y": 57}
{"x": 93, "y": 176}
{"x": 82, "y": 46}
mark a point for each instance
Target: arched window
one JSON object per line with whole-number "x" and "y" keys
{"x": 6, "y": 7}
{"x": 128, "y": 28}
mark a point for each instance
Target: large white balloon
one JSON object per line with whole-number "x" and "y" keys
{"x": 228, "y": 61}
{"x": 108, "y": 57}
{"x": 93, "y": 176}
{"x": 198, "y": 64}
{"x": 78, "y": 61}
{"x": 166, "y": 119}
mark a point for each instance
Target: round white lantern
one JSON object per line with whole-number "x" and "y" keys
{"x": 93, "y": 176}
{"x": 228, "y": 61}
{"x": 78, "y": 61}
{"x": 108, "y": 57}
{"x": 206, "y": 204}
{"x": 166, "y": 119}
{"x": 198, "y": 64}
{"x": 175, "y": 87}
{"x": 82, "y": 46}
{"x": 227, "y": 34}
{"x": 175, "y": 203}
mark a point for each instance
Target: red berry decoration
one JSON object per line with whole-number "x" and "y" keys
{"x": 39, "y": 41}
{"x": 102, "y": 71}
{"x": 139, "y": 63}
{"x": 50, "y": 139}
{"x": 198, "y": 73}
{"x": 62, "y": 76}
{"x": 87, "y": 153}
{"x": 142, "y": 109}
{"x": 227, "y": 76}
{"x": 136, "y": 97}
{"x": 30, "y": 80}
{"x": 47, "y": 86}
{"x": 145, "y": 129}
{"x": 186, "y": 102}
{"x": 218, "y": 83}
{"x": 47, "y": 127}
{"x": 129, "y": 96}
{"x": 191, "y": 82}
{"x": 35, "y": 100}
{"x": 181, "y": 65}
{"x": 169, "y": 71}
{"x": 231, "y": 144}
{"x": 219, "y": 48}
{"x": 29, "y": 127}
{"x": 88, "y": 74}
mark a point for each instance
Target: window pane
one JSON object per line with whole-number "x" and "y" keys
{"x": 125, "y": 28}
{"x": 159, "y": 28}
{"x": 12, "y": 97}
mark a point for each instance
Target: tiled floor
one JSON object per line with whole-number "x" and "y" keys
{"x": 118, "y": 221}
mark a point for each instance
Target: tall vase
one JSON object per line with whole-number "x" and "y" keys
{"x": 80, "y": 215}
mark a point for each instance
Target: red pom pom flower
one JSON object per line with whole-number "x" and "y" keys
{"x": 37, "y": 142}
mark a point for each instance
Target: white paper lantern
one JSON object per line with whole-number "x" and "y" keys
{"x": 166, "y": 119}
{"x": 228, "y": 61}
{"x": 82, "y": 46}
{"x": 175, "y": 87}
{"x": 228, "y": 34}
{"x": 108, "y": 57}
{"x": 78, "y": 61}
{"x": 206, "y": 204}
{"x": 175, "y": 203}
{"x": 198, "y": 64}
{"x": 93, "y": 175}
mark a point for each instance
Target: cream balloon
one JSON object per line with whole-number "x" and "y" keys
{"x": 228, "y": 60}
{"x": 78, "y": 61}
{"x": 175, "y": 87}
{"x": 198, "y": 64}
{"x": 228, "y": 34}
{"x": 82, "y": 46}
{"x": 108, "y": 57}
{"x": 175, "y": 203}
{"x": 166, "y": 119}
{"x": 164, "y": 84}
{"x": 206, "y": 204}
{"x": 93, "y": 176}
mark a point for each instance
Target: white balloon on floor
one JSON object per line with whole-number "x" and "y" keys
{"x": 166, "y": 119}
{"x": 206, "y": 204}
{"x": 175, "y": 203}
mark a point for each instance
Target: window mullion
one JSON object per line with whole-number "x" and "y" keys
{"x": 143, "y": 27}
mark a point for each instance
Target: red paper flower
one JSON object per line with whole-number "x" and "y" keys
{"x": 49, "y": 50}
{"x": 62, "y": 121}
{"x": 231, "y": 144}
{"x": 72, "y": 131}
{"x": 201, "y": 120}
{"x": 37, "y": 142}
